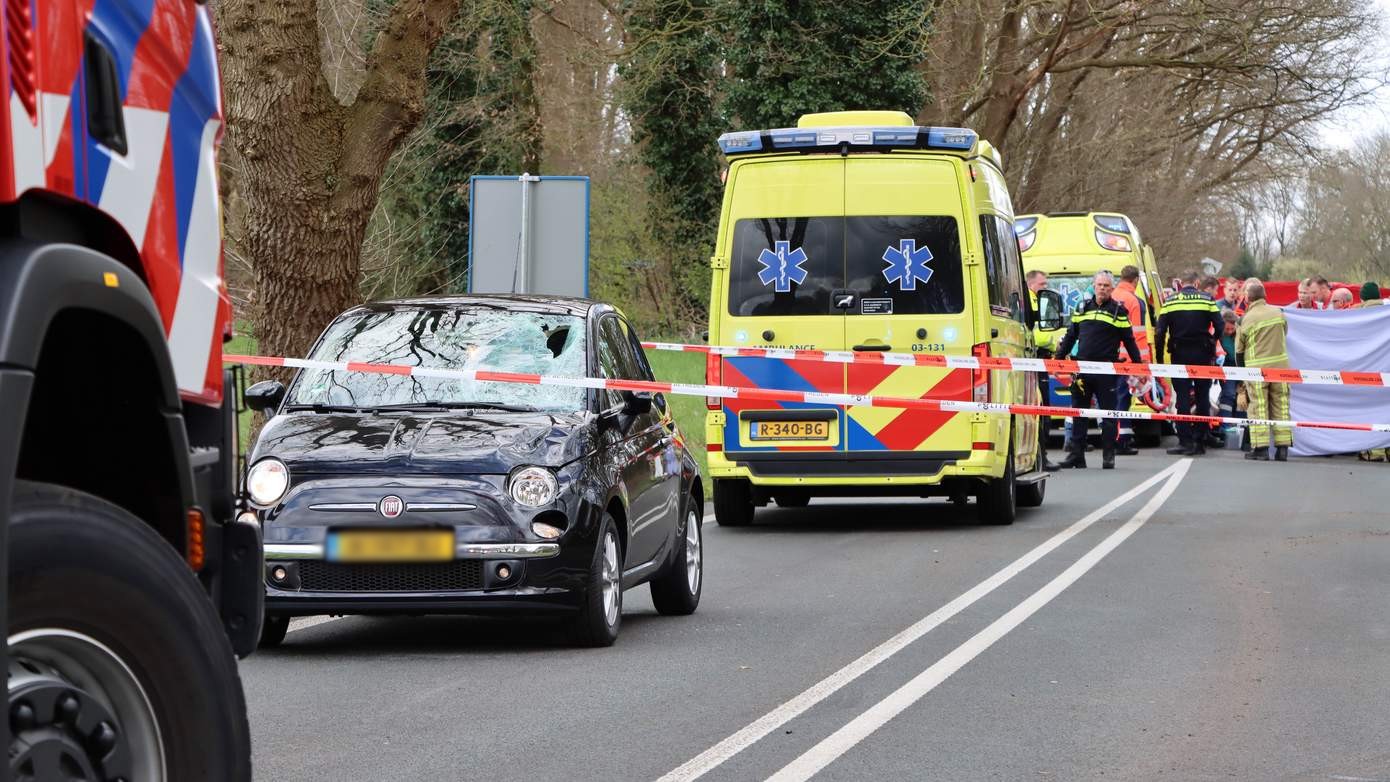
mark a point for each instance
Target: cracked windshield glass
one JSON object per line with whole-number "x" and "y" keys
{"x": 543, "y": 344}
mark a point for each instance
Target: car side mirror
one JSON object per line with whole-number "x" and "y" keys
{"x": 1049, "y": 310}
{"x": 636, "y": 402}
{"x": 265, "y": 396}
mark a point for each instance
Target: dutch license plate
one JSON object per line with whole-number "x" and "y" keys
{"x": 789, "y": 430}
{"x": 392, "y": 546}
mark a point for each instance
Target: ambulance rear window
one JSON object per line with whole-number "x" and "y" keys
{"x": 786, "y": 265}
{"x": 912, "y": 261}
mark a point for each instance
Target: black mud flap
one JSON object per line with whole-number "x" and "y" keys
{"x": 241, "y": 587}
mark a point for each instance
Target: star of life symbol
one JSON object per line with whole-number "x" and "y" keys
{"x": 782, "y": 265}
{"x": 907, "y": 264}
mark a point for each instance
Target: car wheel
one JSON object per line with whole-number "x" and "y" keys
{"x": 676, "y": 592}
{"x": 273, "y": 629}
{"x": 792, "y": 499}
{"x": 119, "y": 666}
{"x": 733, "y": 503}
{"x": 1030, "y": 495}
{"x": 601, "y": 613}
{"x": 998, "y": 499}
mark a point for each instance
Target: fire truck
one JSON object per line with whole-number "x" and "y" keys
{"x": 131, "y": 583}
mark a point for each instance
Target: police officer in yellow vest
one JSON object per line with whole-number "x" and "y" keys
{"x": 1261, "y": 343}
{"x": 1098, "y": 328}
{"x": 1189, "y": 325}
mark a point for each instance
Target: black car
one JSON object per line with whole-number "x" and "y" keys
{"x": 388, "y": 493}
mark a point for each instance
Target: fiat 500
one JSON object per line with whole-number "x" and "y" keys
{"x": 426, "y": 493}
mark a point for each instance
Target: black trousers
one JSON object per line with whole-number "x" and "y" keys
{"x": 1193, "y": 397}
{"x": 1044, "y": 421}
{"x": 1102, "y": 390}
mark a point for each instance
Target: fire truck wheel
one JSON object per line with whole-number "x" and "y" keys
{"x": 118, "y": 664}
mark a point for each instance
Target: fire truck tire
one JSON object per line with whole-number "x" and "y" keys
{"x": 117, "y": 656}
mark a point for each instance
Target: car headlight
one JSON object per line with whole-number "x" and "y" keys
{"x": 267, "y": 481}
{"x": 533, "y": 486}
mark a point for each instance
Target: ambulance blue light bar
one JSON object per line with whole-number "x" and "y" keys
{"x": 747, "y": 142}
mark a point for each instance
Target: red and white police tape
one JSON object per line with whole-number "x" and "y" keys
{"x": 1054, "y": 366}
{"x": 779, "y": 395}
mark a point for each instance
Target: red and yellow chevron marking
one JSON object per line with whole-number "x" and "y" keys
{"x": 901, "y": 429}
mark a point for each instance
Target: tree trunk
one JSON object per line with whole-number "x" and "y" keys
{"x": 310, "y": 166}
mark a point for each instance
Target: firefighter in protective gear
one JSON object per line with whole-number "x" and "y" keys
{"x": 1098, "y": 328}
{"x": 1126, "y": 293}
{"x": 1261, "y": 343}
{"x": 1189, "y": 326}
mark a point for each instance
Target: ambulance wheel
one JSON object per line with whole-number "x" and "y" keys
{"x": 733, "y": 503}
{"x": 998, "y": 500}
{"x": 1030, "y": 495}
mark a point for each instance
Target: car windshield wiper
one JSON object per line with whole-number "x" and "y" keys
{"x": 436, "y": 405}
{"x": 324, "y": 408}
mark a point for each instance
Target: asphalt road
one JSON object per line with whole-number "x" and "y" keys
{"x": 1228, "y": 622}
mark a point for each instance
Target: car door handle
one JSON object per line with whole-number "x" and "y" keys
{"x": 862, "y": 348}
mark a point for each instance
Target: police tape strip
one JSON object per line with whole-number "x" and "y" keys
{"x": 780, "y": 395}
{"x": 1329, "y": 377}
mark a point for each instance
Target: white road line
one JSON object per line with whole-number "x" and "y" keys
{"x": 714, "y": 756}
{"x": 876, "y": 716}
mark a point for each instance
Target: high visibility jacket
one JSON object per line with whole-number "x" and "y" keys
{"x": 1261, "y": 341}
{"x": 1136, "y": 309}
{"x": 1188, "y": 324}
{"x": 1097, "y": 331}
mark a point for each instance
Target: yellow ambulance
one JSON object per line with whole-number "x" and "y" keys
{"x": 860, "y": 231}
{"x": 1071, "y": 247}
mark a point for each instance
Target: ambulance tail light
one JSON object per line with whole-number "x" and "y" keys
{"x": 713, "y": 373}
{"x": 979, "y": 378}
{"x": 1113, "y": 241}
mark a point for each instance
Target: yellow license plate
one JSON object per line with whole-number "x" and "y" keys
{"x": 789, "y": 430}
{"x": 393, "y": 546}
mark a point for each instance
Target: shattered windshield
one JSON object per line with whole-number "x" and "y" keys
{"x": 441, "y": 338}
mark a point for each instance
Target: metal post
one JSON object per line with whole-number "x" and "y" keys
{"x": 522, "y": 279}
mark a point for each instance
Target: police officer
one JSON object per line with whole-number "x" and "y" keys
{"x": 1097, "y": 330}
{"x": 1189, "y": 325}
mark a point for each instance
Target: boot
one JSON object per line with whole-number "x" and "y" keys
{"x": 1281, "y": 453}
{"x": 1258, "y": 454}
{"x": 1050, "y": 466}
{"x": 1183, "y": 449}
{"x": 1199, "y": 448}
{"x": 1076, "y": 459}
{"x": 1107, "y": 459}
{"x": 1126, "y": 447}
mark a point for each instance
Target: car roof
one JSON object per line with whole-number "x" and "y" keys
{"x": 509, "y": 302}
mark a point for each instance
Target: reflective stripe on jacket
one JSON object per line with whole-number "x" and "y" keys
{"x": 1262, "y": 339}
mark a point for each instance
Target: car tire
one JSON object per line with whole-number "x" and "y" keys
{"x": 104, "y": 610}
{"x": 792, "y": 499}
{"x": 273, "y": 629}
{"x": 676, "y": 592}
{"x": 998, "y": 500}
{"x": 1030, "y": 495}
{"x": 601, "y": 610}
{"x": 733, "y": 503}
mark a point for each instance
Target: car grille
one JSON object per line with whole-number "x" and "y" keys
{"x": 458, "y": 576}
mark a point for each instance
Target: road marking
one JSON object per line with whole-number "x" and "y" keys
{"x": 715, "y": 756}
{"x": 876, "y": 716}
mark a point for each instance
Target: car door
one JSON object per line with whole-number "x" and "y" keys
{"x": 657, "y": 451}
{"x": 633, "y": 442}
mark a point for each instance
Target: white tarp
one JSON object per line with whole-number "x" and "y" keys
{"x": 1357, "y": 340}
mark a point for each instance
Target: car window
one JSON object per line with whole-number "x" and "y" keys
{"x": 785, "y": 265}
{"x": 611, "y": 360}
{"x": 910, "y": 263}
{"x": 447, "y": 338}
{"x": 1010, "y": 269}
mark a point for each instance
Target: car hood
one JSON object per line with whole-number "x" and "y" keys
{"x": 473, "y": 443}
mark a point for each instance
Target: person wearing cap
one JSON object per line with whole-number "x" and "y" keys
{"x": 1098, "y": 328}
{"x": 1370, "y": 296}
{"x": 1262, "y": 342}
{"x": 1189, "y": 325}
